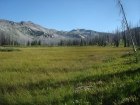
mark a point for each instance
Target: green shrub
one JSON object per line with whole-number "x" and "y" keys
{"x": 8, "y": 49}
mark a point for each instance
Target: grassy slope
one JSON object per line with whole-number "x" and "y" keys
{"x": 49, "y": 75}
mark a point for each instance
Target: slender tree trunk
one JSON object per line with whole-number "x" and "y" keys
{"x": 126, "y": 23}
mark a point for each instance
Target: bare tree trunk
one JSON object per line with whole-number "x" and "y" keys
{"x": 126, "y": 23}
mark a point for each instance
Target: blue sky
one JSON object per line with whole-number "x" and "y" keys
{"x": 98, "y": 15}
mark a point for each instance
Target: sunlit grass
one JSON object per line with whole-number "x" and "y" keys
{"x": 49, "y": 75}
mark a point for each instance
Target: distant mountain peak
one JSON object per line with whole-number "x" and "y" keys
{"x": 28, "y": 31}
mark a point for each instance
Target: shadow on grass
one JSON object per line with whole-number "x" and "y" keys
{"x": 50, "y": 83}
{"x": 106, "y": 98}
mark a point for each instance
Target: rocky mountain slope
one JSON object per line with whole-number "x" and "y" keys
{"x": 29, "y": 31}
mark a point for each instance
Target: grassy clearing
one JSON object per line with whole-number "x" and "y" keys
{"x": 50, "y": 75}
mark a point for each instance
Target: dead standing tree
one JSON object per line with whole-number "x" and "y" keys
{"x": 127, "y": 26}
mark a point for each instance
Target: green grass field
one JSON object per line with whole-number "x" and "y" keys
{"x": 61, "y": 76}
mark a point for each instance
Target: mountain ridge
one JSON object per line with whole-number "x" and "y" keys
{"x": 28, "y": 31}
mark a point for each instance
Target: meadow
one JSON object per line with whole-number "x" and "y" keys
{"x": 87, "y": 75}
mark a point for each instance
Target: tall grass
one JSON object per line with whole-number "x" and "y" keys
{"x": 50, "y": 75}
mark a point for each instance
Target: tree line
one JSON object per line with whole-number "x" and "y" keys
{"x": 116, "y": 38}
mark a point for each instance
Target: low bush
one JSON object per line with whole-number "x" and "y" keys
{"x": 8, "y": 49}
